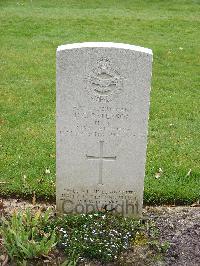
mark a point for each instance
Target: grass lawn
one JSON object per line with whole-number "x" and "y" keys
{"x": 30, "y": 34}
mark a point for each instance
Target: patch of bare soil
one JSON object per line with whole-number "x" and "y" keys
{"x": 178, "y": 226}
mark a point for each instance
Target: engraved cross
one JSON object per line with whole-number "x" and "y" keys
{"x": 101, "y": 158}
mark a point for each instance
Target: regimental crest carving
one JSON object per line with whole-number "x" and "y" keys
{"x": 104, "y": 82}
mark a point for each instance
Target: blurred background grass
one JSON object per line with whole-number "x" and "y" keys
{"x": 30, "y": 34}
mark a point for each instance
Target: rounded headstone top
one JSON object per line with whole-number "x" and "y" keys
{"x": 104, "y": 45}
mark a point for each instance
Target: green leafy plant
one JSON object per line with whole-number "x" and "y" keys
{"x": 71, "y": 262}
{"x": 100, "y": 236}
{"x": 27, "y": 236}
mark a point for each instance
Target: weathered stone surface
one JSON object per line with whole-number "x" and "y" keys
{"x": 103, "y": 94}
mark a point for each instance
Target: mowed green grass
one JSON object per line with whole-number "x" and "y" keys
{"x": 30, "y": 34}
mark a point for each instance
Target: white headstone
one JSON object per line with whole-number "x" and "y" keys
{"x": 103, "y": 94}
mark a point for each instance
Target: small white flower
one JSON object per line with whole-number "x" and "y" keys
{"x": 47, "y": 171}
{"x": 159, "y": 173}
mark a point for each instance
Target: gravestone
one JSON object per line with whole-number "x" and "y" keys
{"x": 103, "y": 95}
